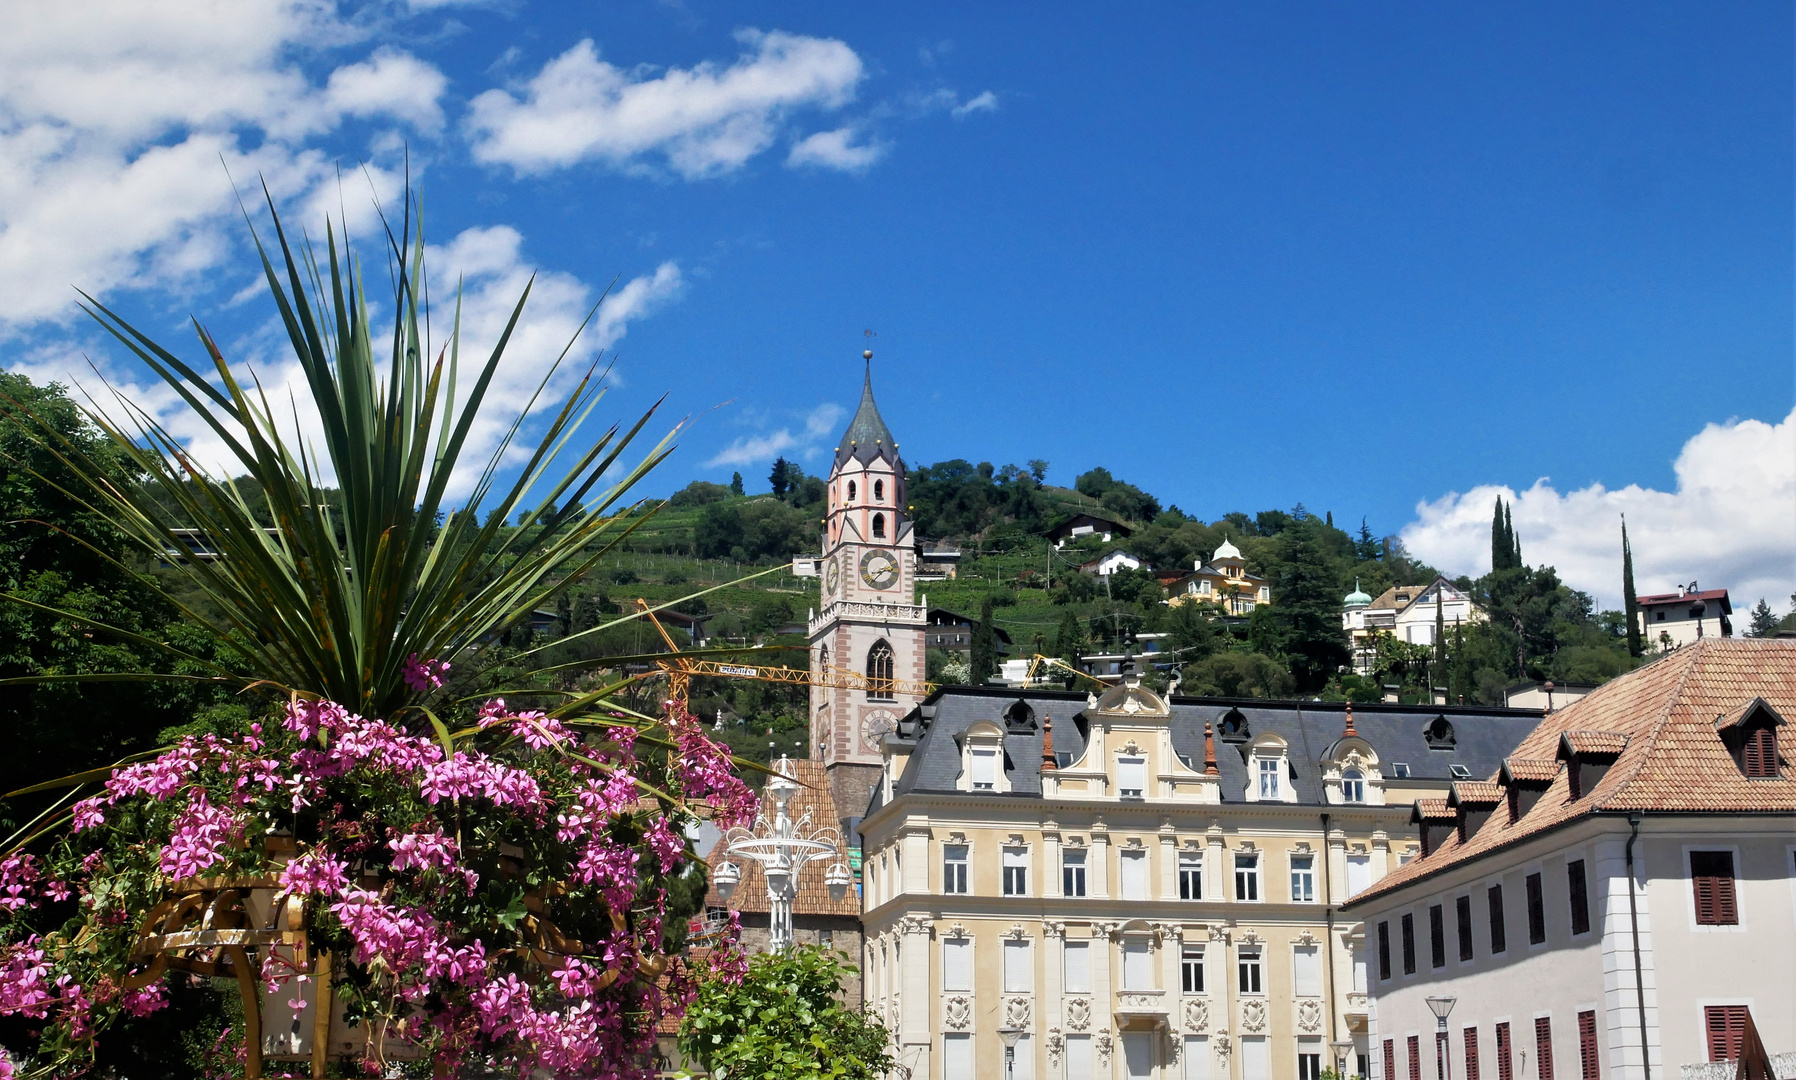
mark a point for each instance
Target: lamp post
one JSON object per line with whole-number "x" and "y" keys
{"x": 1440, "y": 1007}
{"x": 782, "y": 846}
{"x": 1010, "y": 1035}
{"x": 1341, "y": 1047}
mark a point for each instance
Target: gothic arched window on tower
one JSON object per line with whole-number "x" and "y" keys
{"x": 879, "y": 526}
{"x": 851, "y": 491}
{"x": 879, "y": 666}
{"x": 879, "y": 491}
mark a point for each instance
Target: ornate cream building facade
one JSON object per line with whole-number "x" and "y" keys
{"x": 1135, "y": 887}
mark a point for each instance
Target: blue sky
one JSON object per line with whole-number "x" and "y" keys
{"x": 1382, "y": 260}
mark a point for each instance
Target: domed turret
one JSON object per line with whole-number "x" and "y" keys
{"x": 1226, "y": 551}
{"x": 1356, "y": 598}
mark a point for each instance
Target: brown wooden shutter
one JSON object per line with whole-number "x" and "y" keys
{"x": 1505, "y": 1054}
{"x": 1587, "y": 1045}
{"x": 1471, "y": 1053}
{"x": 1390, "y": 1060}
{"x": 1758, "y": 757}
{"x": 1578, "y": 893}
{"x": 1415, "y": 1057}
{"x": 1543, "y": 1046}
{"x": 1712, "y": 878}
{"x": 1726, "y": 1028}
{"x": 1537, "y": 911}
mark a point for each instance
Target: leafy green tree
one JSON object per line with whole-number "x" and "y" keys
{"x": 781, "y": 477}
{"x": 1194, "y": 634}
{"x": 1630, "y": 602}
{"x": 752, "y": 530}
{"x": 1238, "y": 674}
{"x": 1365, "y": 546}
{"x": 698, "y": 493}
{"x": 785, "y": 1021}
{"x": 736, "y": 484}
{"x": 1038, "y": 469}
{"x": 1069, "y": 639}
{"x": 982, "y": 654}
{"x": 1764, "y": 620}
{"x": 1307, "y": 607}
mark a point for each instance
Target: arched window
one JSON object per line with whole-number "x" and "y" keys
{"x": 879, "y": 491}
{"x": 879, "y": 526}
{"x": 1353, "y": 786}
{"x": 879, "y": 666}
{"x": 851, "y": 491}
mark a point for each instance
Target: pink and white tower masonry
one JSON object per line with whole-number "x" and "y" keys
{"x": 868, "y": 621}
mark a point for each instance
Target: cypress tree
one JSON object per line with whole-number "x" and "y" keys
{"x": 1630, "y": 602}
{"x": 735, "y": 483}
{"x": 1440, "y": 631}
{"x": 982, "y": 657}
{"x": 1499, "y": 539}
{"x": 1515, "y": 542}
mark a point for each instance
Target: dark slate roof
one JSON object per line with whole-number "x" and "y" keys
{"x": 1483, "y": 737}
{"x": 867, "y": 436}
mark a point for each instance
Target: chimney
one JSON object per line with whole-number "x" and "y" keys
{"x": 1440, "y": 695}
{"x": 1210, "y": 768}
{"x": 1393, "y": 692}
{"x": 1680, "y": 590}
{"x": 1048, "y": 762}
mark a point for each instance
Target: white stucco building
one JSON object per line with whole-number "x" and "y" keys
{"x": 1616, "y": 899}
{"x": 1675, "y": 619}
{"x": 1407, "y": 613}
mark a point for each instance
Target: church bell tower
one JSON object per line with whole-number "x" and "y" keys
{"x": 868, "y": 621}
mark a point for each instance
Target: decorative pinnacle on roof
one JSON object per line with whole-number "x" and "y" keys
{"x": 1210, "y": 768}
{"x": 867, "y": 436}
{"x": 1348, "y": 732}
{"x": 1048, "y": 761}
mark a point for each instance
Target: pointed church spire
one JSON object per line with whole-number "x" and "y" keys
{"x": 867, "y": 436}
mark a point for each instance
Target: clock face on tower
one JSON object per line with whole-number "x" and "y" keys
{"x": 879, "y": 569}
{"x": 832, "y": 576}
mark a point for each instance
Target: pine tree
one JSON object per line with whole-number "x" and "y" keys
{"x": 1630, "y": 602}
{"x": 781, "y": 477}
{"x": 1499, "y": 539}
{"x": 1366, "y": 546}
{"x": 1764, "y": 620}
{"x": 982, "y": 657}
{"x": 735, "y": 483}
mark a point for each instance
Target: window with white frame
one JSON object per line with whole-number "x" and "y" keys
{"x": 1072, "y": 872}
{"x": 1191, "y": 875}
{"x": 1191, "y": 969}
{"x": 1197, "y": 1057}
{"x": 957, "y": 1056}
{"x": 1269, "y": 770}
{"x": 1306, "y": 971}
{"x": 957, "y": 964}
{"x": 1019, "y": 972}
{"x": 1078, "y": 1058}
{"x": 1303, "y": 878}
{"x": 1359, "y": 873}
{"x": 1134, "y": 874}
{"x": 1075, "y": 967}
{"x": 1016, "y": 871}
{"x": 954, "y": 868}
{"x": 1138, "y": 964}
{"x": 985, "y": 768}
{"x": 1250, "y": 970}
{"x": 1247, "y": 875}
{"x": 1131, "y": 777}
{"x": 1353, "y": 786}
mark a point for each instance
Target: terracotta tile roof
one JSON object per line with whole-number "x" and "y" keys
{"x": 813, "y": 897}
{"x": 1661, "y": 718}
{"x": 1598, "y": 743}
{"x": 1476, "y": 793}
{"x": 1432, "y": 808}
{"x": 1746, "y": 708}
{"x": 1529, "y": 770}
{"x": 1672, "y": 598}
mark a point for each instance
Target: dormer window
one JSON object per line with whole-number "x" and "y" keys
{"x": 1269, "y": 779}
{"x": 1750, "y": 734}
{"x": 985, "y": 770}
{"x": 982, "y": 759}
{"x": 1439, "y": 733}
{"x": 1131, "y": 777}
{"x": 1758, "y": 754}
{"x": 1353, "y": 786}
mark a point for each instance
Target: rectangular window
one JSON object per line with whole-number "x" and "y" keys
{"x": 957, "y": 964}
{"x": 1078, "y": 1057}
{"x": 1409, "y": 944}
{"x": 954, "y": 868}
{"x": 1580, "y": 901}
{"x": 1384, "y": 950}
{"x": 1191, "y": 969}
{"x": 1390, "y": 1060}
{"x": 1269, "y": 770}
{"x": 1019, "y": 973}
{"x": 1415, "y": 1057}
{"x": 1025, "y": 1059}
{"x": 1462, "y": 916}
{"x": 1072, "y": 872}
{"x": 1587, "y": 1067}
{"x": 1505, "y": 1058}
{"x": 1134, "y": 875}
{"x": 985, "y": 770}
{"x": 1306, "y": 970}
{"x": 957, "y": 1056}
{"x": 1247, "y": 875}
{"x": 1362, "y": 1067}
{"x": 1016, "y": 871}
{"x": 1256, "y": 1058}
{"x": 1543, "y": 1047}
{"x": 1309, "y": 1062}
{"x": 1537, "y": 913}
{"x": 1075, "y": 967}
{"x": 1131, "y": 777}
{"x": 1359, "y": 874}
{"x": 1725, "y": 1026}
{"x": 1249, "y": 963}
{"x": 1191, "y": 875}
{"x": 1437, "y": 936}
{"x": 1471, "y": 1053}
{"x": 1712, "y": 876}
{"x": 1138, "y": 966}
{"x": 1499, "y": 938}
{"x": 1197, "y": 1057}
{"x": 1303, "y": 879}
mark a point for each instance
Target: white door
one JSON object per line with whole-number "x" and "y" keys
{"x": 1138, "y": 1055}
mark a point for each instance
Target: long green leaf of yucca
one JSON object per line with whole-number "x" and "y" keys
{"x": 347, "y": 585}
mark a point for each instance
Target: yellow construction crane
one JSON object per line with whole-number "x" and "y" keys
{"x": 1038, "y": 663}
{"x": 680, "y": 669}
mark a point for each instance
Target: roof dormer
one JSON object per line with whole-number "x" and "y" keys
{"x": 1588, "y": 756}
{"x": 1434, "y": 822}
{"x": 1750, "y": 734}
{"x": 1472, "y": 802}
{"x": 1524, "y": 781}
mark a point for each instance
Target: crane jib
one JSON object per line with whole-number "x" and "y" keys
{"x": 745, "y": 672}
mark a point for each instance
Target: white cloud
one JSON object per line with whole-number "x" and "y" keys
{"x": 115, "y": 116}
{"x": 985, "y": 102}
{"x": 820, "y": 423}
{"x": 836, "y": 150}
{"x": 1731, "y": 522}
{"x": 704, "y": 121}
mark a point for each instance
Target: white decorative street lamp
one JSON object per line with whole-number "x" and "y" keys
{"x": 1440, "y": 1007}
{"x": 782, "y": 847}
{"x": 1010, "y": 1035}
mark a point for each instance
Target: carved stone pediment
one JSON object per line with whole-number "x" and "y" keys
{"x": 1253, "y": 1015}
{"x": 1197, "y": 1015}
{"x": 1016, "y": 1012}
{"x": 1309, "y": 1015}
{"x": 1078, "y": 1014}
